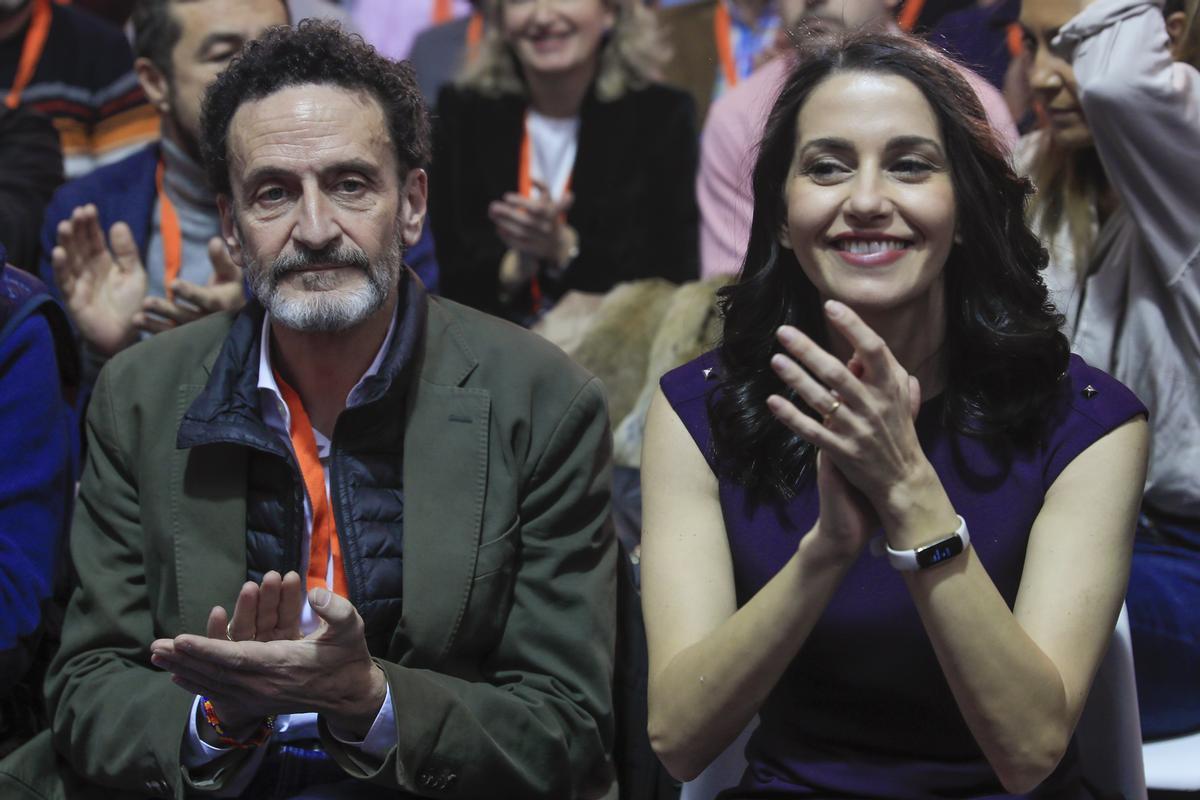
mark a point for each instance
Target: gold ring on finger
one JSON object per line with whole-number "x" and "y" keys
{"x": 832, "y": 410}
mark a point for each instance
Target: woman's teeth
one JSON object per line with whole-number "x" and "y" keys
{"x": 869, "y": 246}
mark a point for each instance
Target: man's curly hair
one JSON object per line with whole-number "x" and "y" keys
{"x": 315, "y": 52}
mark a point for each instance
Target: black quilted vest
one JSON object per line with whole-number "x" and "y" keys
{"x": 365, "y": 476}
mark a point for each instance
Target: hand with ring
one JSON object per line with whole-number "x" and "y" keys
{"x": 868, "y": 407}
{"x": 264, "y": 612}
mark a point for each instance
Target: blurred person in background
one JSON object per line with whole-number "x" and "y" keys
{"x": 77, "y": 69}
{"x": 440, "y": 52}
{"x": 30, "y": 169}
{"x": 38, "y": 375}
{"x": 391, "y": 26}
{"x": 1118, "y": 92}
{"x": 716, "y": 44}
{"x": 735, "y": 123}
{"x": 162, "y": 262}
{"x": 560, "y": 165}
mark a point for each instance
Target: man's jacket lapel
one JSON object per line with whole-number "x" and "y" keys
{"x": 445, "y": 481}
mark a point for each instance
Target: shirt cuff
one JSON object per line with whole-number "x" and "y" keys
{"x": 198, "y": 754}
{"x": 381, "y": 737}
{"x": 196, "y": 751}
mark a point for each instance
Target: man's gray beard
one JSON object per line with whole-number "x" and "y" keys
{"x": 326, "y": 309}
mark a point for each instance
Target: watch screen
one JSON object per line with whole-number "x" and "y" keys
{"x": 939, "y": 552}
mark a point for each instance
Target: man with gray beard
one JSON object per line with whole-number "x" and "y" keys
{"x": 403, "y": 501}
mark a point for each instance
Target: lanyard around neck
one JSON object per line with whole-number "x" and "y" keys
{"x": 525, "y": 189}
{"x": 723, "y": 33}
{"x": 909, "y": 14}
{"x": 324, "y": 539}
{"x": 31, "y": 51}
{"x": 172, "y": 235}
{"x": 443, "y": 11}
{"x": 474, "y": 35}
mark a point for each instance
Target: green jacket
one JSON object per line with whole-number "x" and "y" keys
{"x": 506, "y": 476}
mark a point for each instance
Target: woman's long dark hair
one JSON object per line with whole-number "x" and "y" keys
{"x": 1003, "y": 350}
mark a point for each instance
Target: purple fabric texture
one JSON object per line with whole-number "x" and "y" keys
{"x": 864, "y": 710}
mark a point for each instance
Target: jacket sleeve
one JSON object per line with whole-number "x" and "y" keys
{"x": 1143, "y": 109}
{"x": 115, "y": 718}
{"x": 673, "y": 251}
{"x": 537, "y": 723}
{"x": 467, "y": 246}
{"x": 35, "y": 487}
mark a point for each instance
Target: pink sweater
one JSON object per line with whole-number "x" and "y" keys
{"x": 729, "y": 146}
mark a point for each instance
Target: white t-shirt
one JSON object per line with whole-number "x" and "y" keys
{"x": 553, "y": 144}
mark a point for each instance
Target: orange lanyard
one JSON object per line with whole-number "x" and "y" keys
{"x": 723, "y": 31}
{"x": 474, "y": 35}
{"x": 525, "y": 189}
{"x": 910, "y": 14}
{"x": 1014, "y": 38}
{"x": 324, "y": 539}
{"x": 172, "y": 236}
{"x": 443, "y": 11}
{"x": 31, "y": 51}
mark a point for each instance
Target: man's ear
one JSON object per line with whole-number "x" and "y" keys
{"x": 154, "y": 83}
{"x": 414, "y": 196}
{"x": 1176, "y": 23}
{"x": 229, "y": 230}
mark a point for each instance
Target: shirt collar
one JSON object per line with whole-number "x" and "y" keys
{"x": 266, "y": 374}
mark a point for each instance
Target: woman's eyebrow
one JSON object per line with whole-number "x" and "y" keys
{"x": 828, "y": 143}
{"x": 914, "y": 142}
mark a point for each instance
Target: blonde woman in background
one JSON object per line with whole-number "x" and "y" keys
{"x": 1115, "y": 163}
{"x": 559, "y": 163}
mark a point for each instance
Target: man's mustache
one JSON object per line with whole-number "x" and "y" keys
{"x": 348, "y": 257}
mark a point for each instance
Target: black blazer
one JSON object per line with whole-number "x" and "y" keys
{"x": 634, "y": 185}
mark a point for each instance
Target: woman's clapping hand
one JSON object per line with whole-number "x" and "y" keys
{"x": 869, "y": 405}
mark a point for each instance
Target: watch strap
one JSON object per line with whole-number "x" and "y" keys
{"x": 932, "y": 554}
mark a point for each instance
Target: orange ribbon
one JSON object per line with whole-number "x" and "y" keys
{"x": 324, "y": 539}
{"x": 525, "y": 189}
{"x": 443, "y": 11}
{"x": 1014, "y": 38}
{"x": 172, "y": 236}
{"x": 474, "y": 35}
{"x": 31, "y": 51}
{"x": 723, "y": 33}
{"x": 910, "y": 14}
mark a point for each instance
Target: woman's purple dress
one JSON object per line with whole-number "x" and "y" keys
{"x": 864, "y": 710}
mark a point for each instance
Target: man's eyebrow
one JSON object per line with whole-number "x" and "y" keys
{"x": 260, "y": 175}
{"x": 352, "y": 165}
{"x": 828, "y": 143}
{"x": 263, "y": 174}
{"x": 915, "y": 142}
{"x": 208, "y": 42}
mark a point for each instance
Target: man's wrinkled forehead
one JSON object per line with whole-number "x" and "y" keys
{"x": 304, "y": 125}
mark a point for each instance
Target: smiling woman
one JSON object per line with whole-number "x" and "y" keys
{"x": 559, "y": 163}
{"x": 890, "y": 370}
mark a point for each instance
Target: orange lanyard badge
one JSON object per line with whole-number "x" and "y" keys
{"x": 31, "y": 51}
{"x": 324, "y": 539}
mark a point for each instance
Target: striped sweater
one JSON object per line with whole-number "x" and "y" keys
{"x": 85, "y": 83}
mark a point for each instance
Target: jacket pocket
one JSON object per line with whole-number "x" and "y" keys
{"x": 491, "y": 591}
{"x": 496, "y": 554}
